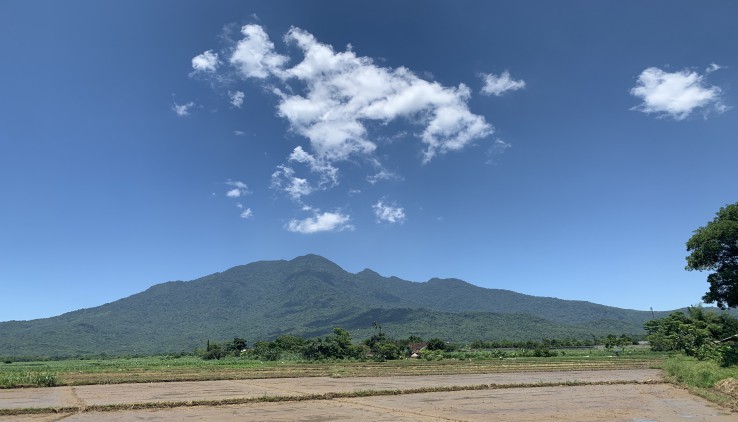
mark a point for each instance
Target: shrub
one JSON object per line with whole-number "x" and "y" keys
{"x": 544, "y": 352}
{"x": 432, "y": 355}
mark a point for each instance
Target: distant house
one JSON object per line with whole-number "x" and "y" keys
{"x": 415, "y": 348}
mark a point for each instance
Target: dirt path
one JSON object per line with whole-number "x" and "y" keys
{"x": 634, "y": 401}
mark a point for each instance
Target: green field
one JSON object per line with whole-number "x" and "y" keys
{"x": 191, "y": 368}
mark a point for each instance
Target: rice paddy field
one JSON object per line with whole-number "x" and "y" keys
{"x": 192, "y": 368}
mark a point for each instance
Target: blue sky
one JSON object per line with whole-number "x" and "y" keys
{"x": 562, "y": 149}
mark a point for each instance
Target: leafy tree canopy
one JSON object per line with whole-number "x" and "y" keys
{"x": 714, "y": 247}
{"x": 697, "y": 333}
{"x": 436, "y": 344}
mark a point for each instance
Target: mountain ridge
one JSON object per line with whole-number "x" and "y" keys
{"x": 308, "y": 296}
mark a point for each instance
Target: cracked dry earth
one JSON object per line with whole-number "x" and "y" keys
{"x": 637, "y": 395}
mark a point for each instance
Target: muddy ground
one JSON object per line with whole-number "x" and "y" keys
{"x": 635, "y": 401}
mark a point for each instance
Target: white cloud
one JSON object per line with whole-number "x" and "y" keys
{"x": 343, "y": 91}
{"x": 182, "y": 110}
{"x": 239, "y": 133}
{"x": 388, "y": 213}
{"x": 713, "y": 67}
{"x": 336, "y": 99}
{"x": 298, "y": 188}
{"x": 498, "y": 85}
{"x": 247, "y": 213}
{"x": 321, "y": 222}
{"x": 239, "y": 189}
{"x": 676, "y": 94}
{"x": 205, "y": 62}
{"x": 284, "y": 179}
{"x": 498, "y": 148}
{"x": 383, "y": 175}
{"x": 236, "y": 98}
{"x": 254, "y": 55}
{"x": 327, "y": 172}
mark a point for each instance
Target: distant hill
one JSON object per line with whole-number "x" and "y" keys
{"x": 308, "y": 296}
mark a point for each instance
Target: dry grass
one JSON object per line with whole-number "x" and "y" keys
{"x": 728, "y": 386}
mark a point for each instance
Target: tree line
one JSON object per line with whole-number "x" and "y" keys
{"x": 380, "y": 347}
{"x": 337, "y": 346}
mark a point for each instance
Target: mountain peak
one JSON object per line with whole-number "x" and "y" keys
{"x": 307, "y": 296}
{"x": 315, "y": 262}
{"x": 368, "y": 273}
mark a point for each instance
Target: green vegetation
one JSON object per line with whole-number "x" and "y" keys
{"x": 218, "y": 351}
{"x": 699, "y": 333}
{"x": 714, "y": 247}
{"x": 333, "y": 355}
{"x": 698, "y": 373}
{"x": 706, "y": 378}
{"x": 380, "y": 347}
{"x": 307, "y": 297}
{"x": 194, "y": 368}
{"x": 14, "y": 379}
{"x": 707, "y": 358}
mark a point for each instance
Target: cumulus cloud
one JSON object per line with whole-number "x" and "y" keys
{"x": 343, "y": 91}
{"x": 182, "y": 110}
{"x": 324, "y": 169}
{"x": 676, "y": 94}
{"x": 239, "y": 189}
{"x": 205, "y": 62}
{"x": 339, "y": 102}
{"x": 321, "y": 222}
{"x": 236, "y": 98}
{"x": 254, "y": 55}
{"x": 498, "y": 85}
{"x": 388, "y": 213}
{"x": 247, "y": 213}
{"x": 284, "y": 179}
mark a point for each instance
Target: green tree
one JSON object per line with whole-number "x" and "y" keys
{"x": 234, "y": 347}
{"x": 714, "y": 247}
{"x": 266, "y": 350}
{"x": 290, "y": 343}
{"x": 696, "y": 334}
{"x": 436, "y": 344}
{"x": 382, "y": 347}
{"x": 337, "y": 346}
{"x": 213, "y": 351}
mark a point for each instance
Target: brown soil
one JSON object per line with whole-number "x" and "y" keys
{"x": 627, "y": 395}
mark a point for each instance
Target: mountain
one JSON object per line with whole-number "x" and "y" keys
{"x": 308, "y": 296}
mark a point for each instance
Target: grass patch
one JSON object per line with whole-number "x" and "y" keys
{"x": 695, "y": 373}
{"x": 187, "y": 368}
{"x": 17, "y": 379}
{"x": 700, "y": 377}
